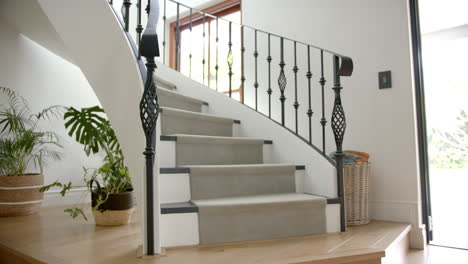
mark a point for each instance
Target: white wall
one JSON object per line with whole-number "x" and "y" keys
{"x": 376, "y": 35}
{"x": 45, "y": 79}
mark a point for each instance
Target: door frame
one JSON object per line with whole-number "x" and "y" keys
{"x": 421, "y": 117}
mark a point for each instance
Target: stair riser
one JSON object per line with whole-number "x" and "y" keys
{"x": 183, "y": 229}
{"x": 172, "y": 124}
{"x": 207, "y": 153}
{"x": 218, "y": 154}
{"x": 175, "y": 188}
{"x": 212, "y": 184}
{"x": 174, "y": 101}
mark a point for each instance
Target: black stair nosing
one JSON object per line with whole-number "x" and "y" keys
{"x": 330, "y": 200}
{"x": 179, "y": 208}
{"x": 177, "y": 170}
{"x": 335, "y": 200}
{"x": 174, "y": 138}
{"x": 174, "y": 170}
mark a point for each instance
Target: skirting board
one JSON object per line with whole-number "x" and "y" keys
{"x": 73, "y": 196}
{"x": 401, "y": 211}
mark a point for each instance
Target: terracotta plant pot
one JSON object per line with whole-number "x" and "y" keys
{"x": 19, "y": 195}
{"x": 116, "y": 210}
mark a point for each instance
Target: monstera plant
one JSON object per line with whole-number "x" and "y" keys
{"x": 110, "y": 185}
{"x": 25, "y": 149}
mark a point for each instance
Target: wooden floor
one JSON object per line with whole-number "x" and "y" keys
{"x": 53, "y": 237}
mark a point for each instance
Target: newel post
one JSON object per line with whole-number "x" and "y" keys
{"x": 338, "y": 124}
{"x": 149, "y": 111}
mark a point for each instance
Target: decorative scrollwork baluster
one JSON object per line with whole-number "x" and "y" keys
{"x": 338, "y": 124}
{"x": 323, "y": 121}
{"x": 126, "y": 13}
{"x": 242, "y": 63}
{"x": 309, "y": 111}
{"x": 164, "y": 32}
{"x": 230, "y": 59}
{"x": 269, "y": 91}
{"x": 204, "y": 46}
{"x": 295, "y": 70}
{"x": 177, "y": 40}
{"x": 256, "y": 78}
{"x": 139, "y": 28}
{"x": 191, "y": 45}
{"x": 217, "y": 53}
{"x": 282, "y": 81}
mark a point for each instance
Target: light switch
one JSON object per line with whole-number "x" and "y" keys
{"x": 385, "y": 80}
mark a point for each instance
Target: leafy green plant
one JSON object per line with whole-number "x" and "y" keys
{"x": 22, "y": 142}
{"x": 90, "y": 128}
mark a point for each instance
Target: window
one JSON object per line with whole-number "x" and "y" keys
{"x": 193, "y": 42}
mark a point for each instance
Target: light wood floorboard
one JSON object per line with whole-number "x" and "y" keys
{"x": 53, "y": 237}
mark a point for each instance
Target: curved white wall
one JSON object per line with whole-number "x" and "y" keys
{"x": 94, "y": 38}
{"x": 320, "y": 176}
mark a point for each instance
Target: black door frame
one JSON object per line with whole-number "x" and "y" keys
{"x": 421, "y": 117}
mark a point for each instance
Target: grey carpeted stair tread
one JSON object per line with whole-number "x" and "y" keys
{"x": 187, "y": 138}
{"x": 188, "y": 122}
{"x": 173, "y": 99}
{"x": 260, "y": 217}
{"x": 217, "y": 181}
{"x": 213, "y": 150}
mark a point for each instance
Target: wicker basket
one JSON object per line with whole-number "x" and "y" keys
{"x": 356, "y": 185}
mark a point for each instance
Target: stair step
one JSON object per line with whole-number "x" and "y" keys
{"x": 218, "y": 181}
{"x": 214, "y": 150}
{"x": 160, "y": 82}
{"x": 260, "y": 217}
{"x": 175, "y": 121}
{"x": 173, "y": 99}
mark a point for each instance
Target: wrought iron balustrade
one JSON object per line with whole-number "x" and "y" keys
{"x": 146, "y": 45}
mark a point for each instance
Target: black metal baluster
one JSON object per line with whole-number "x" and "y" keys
{"x": 139, "y": 29}
{"x": 217, "y": 48}
{"x": 338, "y": 124}
{"x": 204, "y": 44}
{"x": 230, "y": 59}
{"x": 242, "y": 63}
{"x": 269, "y": 91}
{"x": 323, "y": 121}
{"x": 282, "y": 81}
{"x": 149, "y": 112}
{"x": 256, "y": 79}
{"x": 126, "y": 13}
{"x": 164, "y": 29}
{"x": 191, "y": 45}
{"x": 309, "y": 111}
{"x": 295, "y": 70}
{"x": 177, "y": 40}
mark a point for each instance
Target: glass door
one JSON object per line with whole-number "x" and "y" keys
{"x": 444, "y": 45}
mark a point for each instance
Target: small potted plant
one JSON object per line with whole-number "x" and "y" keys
{"x": 24, "y": 146}
{"x": 110, "y": 185}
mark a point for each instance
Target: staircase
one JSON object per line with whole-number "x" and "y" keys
{"x": 228, "y": 171}
{"x": 238, "y": 197}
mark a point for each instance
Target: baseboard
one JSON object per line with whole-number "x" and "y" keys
{"x": 400, "y": 211}
{"x": 73, "y": 196}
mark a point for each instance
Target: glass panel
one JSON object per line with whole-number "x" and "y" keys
{"x": 194, "y": 42}
{"x": 444, "y": 46}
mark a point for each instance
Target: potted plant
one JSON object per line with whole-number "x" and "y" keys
{"x": 110, "y": 185}
{"x": 24, "y": 146}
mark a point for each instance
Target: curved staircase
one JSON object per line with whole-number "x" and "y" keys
{"x": 238, "y": 197}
